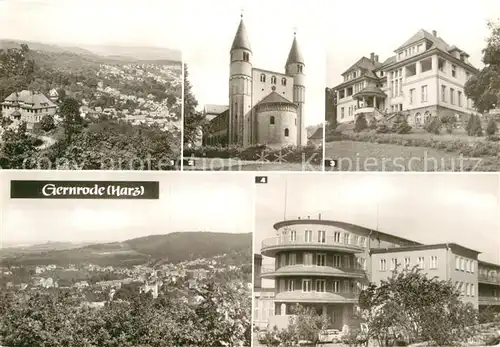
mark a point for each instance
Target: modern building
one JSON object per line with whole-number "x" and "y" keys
{"x": 263, "y": 297}
{"x": 27, "y": 106}
{"x": 425, "y": 78}
{"x": 265, "y": 107}
{"x": 324, "y": 264}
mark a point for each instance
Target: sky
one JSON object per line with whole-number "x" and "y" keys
{"x": 270, "y": 26}
{"x": 388, "y": 24}
{"x": 93, "y": 22}
{"x": 216, "y": 202}
{"x": 427, "y": 208}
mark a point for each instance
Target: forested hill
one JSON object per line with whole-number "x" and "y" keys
{"x": 172, "y": 248}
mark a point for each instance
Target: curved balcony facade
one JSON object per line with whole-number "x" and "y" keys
{"x": 311, "y": 270}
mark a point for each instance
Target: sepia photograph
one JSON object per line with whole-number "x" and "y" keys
{"x": 377, "y": 259}
{"x": 90, "y": 85}
{"x": 170, "y": 270}
{"x": 418, "y": 92}
{"x": 254, "y": 86}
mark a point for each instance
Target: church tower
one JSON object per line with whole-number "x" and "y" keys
{"x": 240, "y": 89}
{"x": 295, "y": 67}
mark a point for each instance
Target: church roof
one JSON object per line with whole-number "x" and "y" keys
{"x": 215, "y": 109}
{"x": 241, "y": 38}
{"x": 275, "y": 98}
{"x": 295, "y": 56}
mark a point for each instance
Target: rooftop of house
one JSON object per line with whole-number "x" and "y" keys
{"x": 29, "y": 99}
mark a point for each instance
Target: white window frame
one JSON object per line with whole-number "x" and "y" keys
{"x": 323, "y": 282}
{"x": 304, "y": 281}
{"x": 320, "y": 256}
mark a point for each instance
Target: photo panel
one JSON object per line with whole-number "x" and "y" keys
{"x": 254, "y": 91}
{"x": 102, "y": 94}
{"x": 342, "y": 258}
{"x": 409, "y": 96}
{"x": 159, "y": 259}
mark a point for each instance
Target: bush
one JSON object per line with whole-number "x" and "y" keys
{"x": 383, "y": 129}
{"x": 494, "y": 138}
{"x": 449, "y": 122}
{"x": 403, "y": 127}
{"x": 361, "y": 124}
{"x": 47, "y": 123}
{"x": 433, "y": 126}
{"x": 491, "y": 128}
{"x": 372, "y": 124}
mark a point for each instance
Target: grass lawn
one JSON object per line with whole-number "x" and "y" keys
{"x": 367, "y": 156}
{"x": 219, "y": 164}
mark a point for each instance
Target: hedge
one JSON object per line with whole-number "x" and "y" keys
{"x": 312, "y": 153}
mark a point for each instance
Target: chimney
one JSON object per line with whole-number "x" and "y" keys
{"x": 299, "y": 218}
{"x": 434, "y": 33}
{"x": 376, "y": 58}
{"x": 319, "y": 216}
{"x": 372, "y": 56}
{"x": 308, "y": 217}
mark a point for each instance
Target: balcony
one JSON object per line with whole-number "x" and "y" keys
{"x": 298, "y": 296}
{"x": 276, "y": 244}
{"x": 311, "y": 270}
{"x": 364, "y": 110}
{"x": 489, "y": 300}
{"x": 488, "y": 280}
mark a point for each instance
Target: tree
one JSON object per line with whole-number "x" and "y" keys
{"x": 484, "y": 89}
{"x": 47, "y": 123}
{"x": 193, "y": 119}
{"x": 331, "y": 108}
{"x": 361, "y": 123}
{"x": 411, "y": 307}
{"x": 17, "y": 147}
{"x": 72, "y": 121}
{"x": 473, "y": 126}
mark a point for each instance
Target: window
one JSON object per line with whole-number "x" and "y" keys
{"x": 412, "y": 95}
{"x": 308, "y": 259}
{"x": 452, "y": 94}
{"x": 283, "y": 81}
{"x": 454, "y": 70}
{"x": 393, "y": 263}
{"x": 467, "y": 289}
{"x": 472, "y": 290}
{"x": 462, "y": 288}
{"x": 362, "y": 241}
{"x": 291, "y": 285}
{"x": 472, "y": 266}
{"x": 336, "y": 286}
{"x": 292, "y": 259}
{"x": 299, "y": 69}
{"x": 320, "y": 260}
{"x": 283, "y": 259}
{"x": 273, "y": 79}
{"x": 424, "y": 94}
{"x": 341, "y": 113}
{"x": 336, "y": 261}
{"x": 286, "y": 132}
{"x": 246, "y": 56}
{"x": 457, "y": 262}
{"x": 346, "y": 238}
{"x": 347, "y": 286}
{"x": 306, "y": 285}
{"x": 459, "y": 97}
{"x": 462, "y": 264}
{"x": 320, "y": 286}
{"x": 421, "y": 262}
{"x": 282, "y": 285}
{"x": 467, "y": 76}
{"x": 347, "y": 261}
{"x": 262, "y": 78}
{"x": 434, "y": 262}
{"x": 336, "y": 236}
{"x": 308, "y": 235}
{"x": 354, "y": 74}
{"x": 363, "y": 263}
{"x": 467, "y": 265}
{"x": 443, "y": 93}
{"x": 383, "y": 265}
{"x": 407, "y": 262}
{"x": 271, "y": 120}
{"x": 293, "y": 235}
{"x": 321, "y": 236}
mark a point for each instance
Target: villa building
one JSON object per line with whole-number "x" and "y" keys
{"x": 424, "y": 78}
{"x": 325, "y": 264}
{"x": 27, "y": 106}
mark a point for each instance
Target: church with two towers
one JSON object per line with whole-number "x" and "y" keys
{"x": 265, "y": 107}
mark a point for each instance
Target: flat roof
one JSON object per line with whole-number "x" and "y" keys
{"x": 421, "y": 247}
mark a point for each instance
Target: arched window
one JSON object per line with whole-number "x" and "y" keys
{"x": 273, "y": 79}
{"x": 418, "y": 119}
{"x": 427, "y": 116}
{"x": 262, "y": 78}
{"x": 271, "y": 120}
{"x": 283, "y": 81}
{"x": 286, "y": 132}
{"x": 246, "y": 56}
{"x": 300, "y": 68}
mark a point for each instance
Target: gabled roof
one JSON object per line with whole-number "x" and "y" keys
{"x": 275, "y": 98}
{"x": 215, "y": 109}
{"x": 423, "y": 34}
{"x": 29, "y": 99}
{"x": 241, "y": 38}
{"x": 295, "y": 56}
{"x": 365, "y": 64}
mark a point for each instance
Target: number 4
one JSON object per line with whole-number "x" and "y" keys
{"x": 261, "y": 179}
